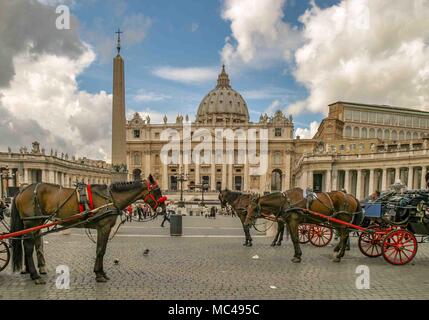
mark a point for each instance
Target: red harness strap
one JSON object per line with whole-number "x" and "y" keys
{"x": 90, "y": 200}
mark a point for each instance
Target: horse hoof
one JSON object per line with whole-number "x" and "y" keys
{"x": 296, "y": 260}
{"x": 245, "y": 244}
{"x": 336, "y": 259}
{"x": 250, "y": 244}
{"x": 42, "y": 270}
{"x": 279, "y": 244}
{"x": 24, "y": 272}
{"x": 106, "y": 277}
{"x": 39, "y": 281}
{"x": 273, "y": 244}
{"x": 100, "y": 279}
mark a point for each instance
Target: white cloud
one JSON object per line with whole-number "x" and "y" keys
{"x": 259, "y": 36}
{"x": 146, "y": 96}
{"x": 39, "y": 94}
{"x": 194, "y": 27}
{"x": 365, "y": 51}
{"x": 307, "y": 133}
{"x": 190, "y": 75}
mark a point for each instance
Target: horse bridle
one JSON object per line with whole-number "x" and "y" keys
{"x": 151, "y": 188}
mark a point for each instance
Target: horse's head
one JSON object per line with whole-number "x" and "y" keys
{"x": 223, "y": 198}
{"x": 253, "y": 211}
{"x": 153, "y": 195}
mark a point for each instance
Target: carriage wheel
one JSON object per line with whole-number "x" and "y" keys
{"x": 303, "y": 230}
{"x": 370, "y": 244}
{"x": 320, "y": 236}
{"x": 399, "y": 247}
{"x": 4, "y": 255}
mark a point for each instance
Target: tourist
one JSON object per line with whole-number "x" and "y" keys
{"x": 139, "y": 211}
{"x": 170, "y": 210}
{"x": 130, "y": 213}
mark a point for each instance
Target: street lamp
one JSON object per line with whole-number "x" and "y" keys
{"x": 4, "y": 175}
{"x": 181, "y": 178}
{"x": 203, "y": 187}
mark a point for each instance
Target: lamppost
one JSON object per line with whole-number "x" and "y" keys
{"x": 181, "y": 178}
{"x": 5, "y": 176}
{"x": 203, "y": 187}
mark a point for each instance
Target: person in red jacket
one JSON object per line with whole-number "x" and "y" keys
{"x": 130, "y": 213}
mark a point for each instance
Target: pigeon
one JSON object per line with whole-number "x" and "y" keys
{"x": 116, "y": 261}
{"x": 146, "y": 252}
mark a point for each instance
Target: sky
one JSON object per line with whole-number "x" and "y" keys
{"x": 297, "y": 56}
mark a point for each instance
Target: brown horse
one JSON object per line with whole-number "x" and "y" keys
{"x": 60, "y": 203}
{"x": 287, "y": 207}
{"x": 239, "y": 202}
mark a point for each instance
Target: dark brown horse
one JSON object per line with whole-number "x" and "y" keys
{"x": 239, "y": 201}
{"x": 286, "y": 207}
{"x": 60, "y": 203}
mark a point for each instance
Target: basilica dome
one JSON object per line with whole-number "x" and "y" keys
{"x": 223, "y": 104}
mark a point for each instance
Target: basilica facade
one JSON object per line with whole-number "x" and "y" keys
{"x": 358, "y": 147}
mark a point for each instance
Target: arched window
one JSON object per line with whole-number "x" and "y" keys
{"x": 408, "y": 135}
{"x": 415, "y": 136}
{"x": 364, "y": 133}
{"x": 137, "y": 175}
{"x": 348, "y": 132}
{"x": 277, "y": 158}
{"x": 401, "y": 135}
{"x": 276, "y": 180}
{"x": 372, "y": 133}
{"x": 380, "y": 134}
{"x": 356, "y": 132}
{"x": 394, "y": 135}
{"x": 386, "y": 134}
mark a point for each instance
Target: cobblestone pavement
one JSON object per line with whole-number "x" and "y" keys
{"x": 209, "y": 262}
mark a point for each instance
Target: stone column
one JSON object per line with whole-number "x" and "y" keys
{"x": 26, "y": 180}
{"x": 384, "y": 180}
{"x": 398, "y": 174}
{"x": 186, "y": 175}
{"x": 310, "y": 181}
{"x": 423, "y": 178}
{"x": 410, "y": 178}
{"x": 224, "y": 175}
{"x": 230, "y": 180}
{"x": 328, "y": 181}
{"x": 197, "y": 173}
{"x": 213, "y": 177}
{"x": 164, "y": 177}
{"x": 287, "y": 173}
{"x": 52, "y": 176}
{"x": 347, "y": 180}
{"x": 263, "y": 183}
{"x": 371, "y": 181}
{"x": 147, "y": 166}
{"x": 359, "y": 184}
{"x": 246, "y": 177}
{"x": 334, "y": 180}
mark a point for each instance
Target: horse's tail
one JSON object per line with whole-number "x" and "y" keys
{"x": 16, "y": 225}
{"x": 359, "y": 214}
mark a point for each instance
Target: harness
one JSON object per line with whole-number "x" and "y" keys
{"x": 84, "y": 197}
{"x": 158, "y": 202}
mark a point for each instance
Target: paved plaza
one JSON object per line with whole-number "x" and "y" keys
{"x": 209, "y": 262}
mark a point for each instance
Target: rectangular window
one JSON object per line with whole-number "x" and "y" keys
{"x": 356, "y": 116}
{"x": 278, "y": 132}
{"x": 364, "y": 116}
{"x": 415, "y": 122}
{"x": 408, "y": 122}
{"x": 401, "y": 120}
{"x": 136, "y": 134}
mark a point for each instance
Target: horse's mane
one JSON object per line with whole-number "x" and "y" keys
{"x": 125, "y": 186}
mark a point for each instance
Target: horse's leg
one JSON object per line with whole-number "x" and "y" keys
{"x": 293, "y": 224}
{"x": 338, "y": 246}
{"x": 41, "y": 263}
{"x": 102, "y": 239}
{"x": 344, "y": 234}
{"x": 273, "y": 244}
{"x": 246, "y": 230}
{"x": 281, "y": 226}
{"x": 29, "y": 249}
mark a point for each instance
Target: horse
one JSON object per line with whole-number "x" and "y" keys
{"x": 289, "y": 207}
{"x": 43, "y": 200}
{"x": 239, "y": 202}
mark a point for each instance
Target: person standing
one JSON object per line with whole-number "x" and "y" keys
{"x": 130, "y": 213}
{"x": 139, "y": 211}
{"x": 168, "y": 212}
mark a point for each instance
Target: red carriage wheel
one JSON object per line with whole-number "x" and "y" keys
{"x": 370, "y": 244}
{"x": 399, "y": 247}
{"x": 303, "y": 230}
{"x": 320, "y": 236}
{"x": 4, "y": 255}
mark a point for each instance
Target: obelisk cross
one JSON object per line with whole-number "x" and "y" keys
{"x": 119, "y": 32}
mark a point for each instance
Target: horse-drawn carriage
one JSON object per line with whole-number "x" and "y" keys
{"x": 397, "y": 217}
{"x": 41, "y": 209}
